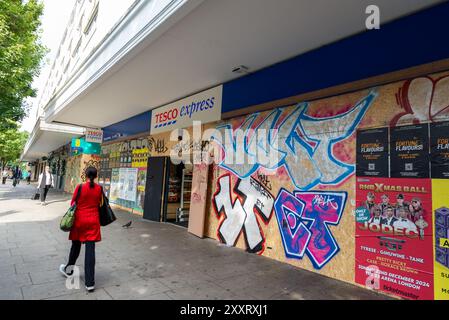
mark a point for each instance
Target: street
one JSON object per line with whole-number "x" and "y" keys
{"x": 146, "y": 261}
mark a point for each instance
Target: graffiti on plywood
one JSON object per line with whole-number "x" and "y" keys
{"x": 304, "y": 219}
{"x": 159, "y": 146}
{"x": 423, "y": 99}
{"x": 93, "y": 161}
{"x": 72, "y": 175}
{"x": 240, "y": 214}
{"x": 302, "y": 144}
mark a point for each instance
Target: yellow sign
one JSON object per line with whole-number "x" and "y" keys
{"x": 440, "y": 205}
{"x": 444, "y": 243}
{"x": 140, "y": 158}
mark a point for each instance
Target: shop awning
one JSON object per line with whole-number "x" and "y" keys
{"x": 196, "y": 45}
{"x": 47, "y": 137}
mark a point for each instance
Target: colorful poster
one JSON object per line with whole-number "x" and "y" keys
{"x": 140, "y": 158}
{"x": 141, "y": 182}
{"x": 440, "y": 201}
{"x": 114, "y": 160}
{"x": 104, "y": 179}
{"x": 439, "y": 150}
{"x": 409, "y": 151}
{"x": 394, "y": 241}
{"x": 115, "y": 185}
{"x": 128, "y": 184}
{"x": 104, "y": 162}
{"x": 372, "y": 153}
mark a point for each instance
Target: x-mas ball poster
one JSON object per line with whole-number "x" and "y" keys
{"x": 396, "y": 242}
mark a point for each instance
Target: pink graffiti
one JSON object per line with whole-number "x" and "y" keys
{"x": 304, "y": 219}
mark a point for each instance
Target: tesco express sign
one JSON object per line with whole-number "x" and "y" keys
{"x": 204, "y": 106}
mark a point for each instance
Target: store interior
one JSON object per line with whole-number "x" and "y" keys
{"x": 178, "y": 196}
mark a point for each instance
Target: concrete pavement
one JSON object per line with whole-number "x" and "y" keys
{"x": 147, "y": 261}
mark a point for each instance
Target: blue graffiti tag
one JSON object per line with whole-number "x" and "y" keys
{"x": 301, "y": 143}
{"x": 304, "y": 219}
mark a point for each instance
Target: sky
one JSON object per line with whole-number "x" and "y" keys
{"x": 54, "y": 20}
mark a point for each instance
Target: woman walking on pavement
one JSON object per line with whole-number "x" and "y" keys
{"x": 86, "y": 227}
{"x": 45, "y": 182}
{"x": 5, "y": 175}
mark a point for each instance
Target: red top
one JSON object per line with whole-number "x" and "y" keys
{"x": 86, "y": 226}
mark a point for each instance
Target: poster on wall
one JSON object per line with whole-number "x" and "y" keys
{"x": 372, "y": 153}
{"x": 409, "y": 151}
{"x": 440, "y": 202}
{"x": 128, "y": 184}
{"x": 114, "y": 159}
{"x": 394, "y": 241}
{"x": 140, "y": 158}
{"x": 121, "y": 182}
{"x": 115, "y": 185}
{"x": 439, "y": 150}
{"x": 141, "y": 182}
{"x": 104, "y": 179}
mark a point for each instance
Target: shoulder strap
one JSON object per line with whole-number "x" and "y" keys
{"x": 102, "y": 191}
{"x": 78, "y": 193}
{"x": 103, "y": 197}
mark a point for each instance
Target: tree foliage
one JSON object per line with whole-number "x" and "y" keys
{"x": 12, "y": 143}
{"x": 21, "y": 54}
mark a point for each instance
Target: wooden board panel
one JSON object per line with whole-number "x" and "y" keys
{"x": 198, "y": 200}
{"x": 326, "y": 122}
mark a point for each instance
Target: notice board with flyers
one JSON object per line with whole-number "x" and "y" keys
{"x": 402, "y": 210}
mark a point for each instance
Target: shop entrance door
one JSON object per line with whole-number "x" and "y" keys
{"x": 155, "y": 188}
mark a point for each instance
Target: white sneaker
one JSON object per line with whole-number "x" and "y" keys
{"x": 90, "y": 289}
{"x": 62, "y": 270}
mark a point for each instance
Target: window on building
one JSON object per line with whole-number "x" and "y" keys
{"x": 92, "y": 19}
{"x": 80, "y": 24}
{"x": 67, "y": 67}
{"x": 77, "y": 48}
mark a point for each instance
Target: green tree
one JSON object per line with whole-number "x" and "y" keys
{"x": 12, "y": 143}
{"x": 21, "y": 54}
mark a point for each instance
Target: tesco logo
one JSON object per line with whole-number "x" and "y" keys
{"x": 204, "y": 106}
{"x": 167, "y": 116}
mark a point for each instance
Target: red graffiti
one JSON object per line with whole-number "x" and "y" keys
{"x": 422, "y": 99}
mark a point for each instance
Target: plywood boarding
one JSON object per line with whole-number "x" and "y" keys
{"x": 419, "y": 100}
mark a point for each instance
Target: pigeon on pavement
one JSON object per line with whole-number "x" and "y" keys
{"x": 127, "y": 225}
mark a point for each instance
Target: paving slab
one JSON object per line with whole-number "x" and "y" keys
{"x": 81, "y": 294}
{"x": 150, "y": 261}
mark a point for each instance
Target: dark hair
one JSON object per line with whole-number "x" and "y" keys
{"x": 91, "y": 174}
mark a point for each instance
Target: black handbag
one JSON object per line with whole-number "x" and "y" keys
{"x": 107, "y": 216}
{"x": 36, "y": 196}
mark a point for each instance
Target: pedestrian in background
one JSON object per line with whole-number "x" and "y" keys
{"x": 86, "y": 227}
{"x": 29, "y": 177}
{"x": 16, "y": 176}
{"x": 45, "y": 182}
{"x": 5, "y": 174}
